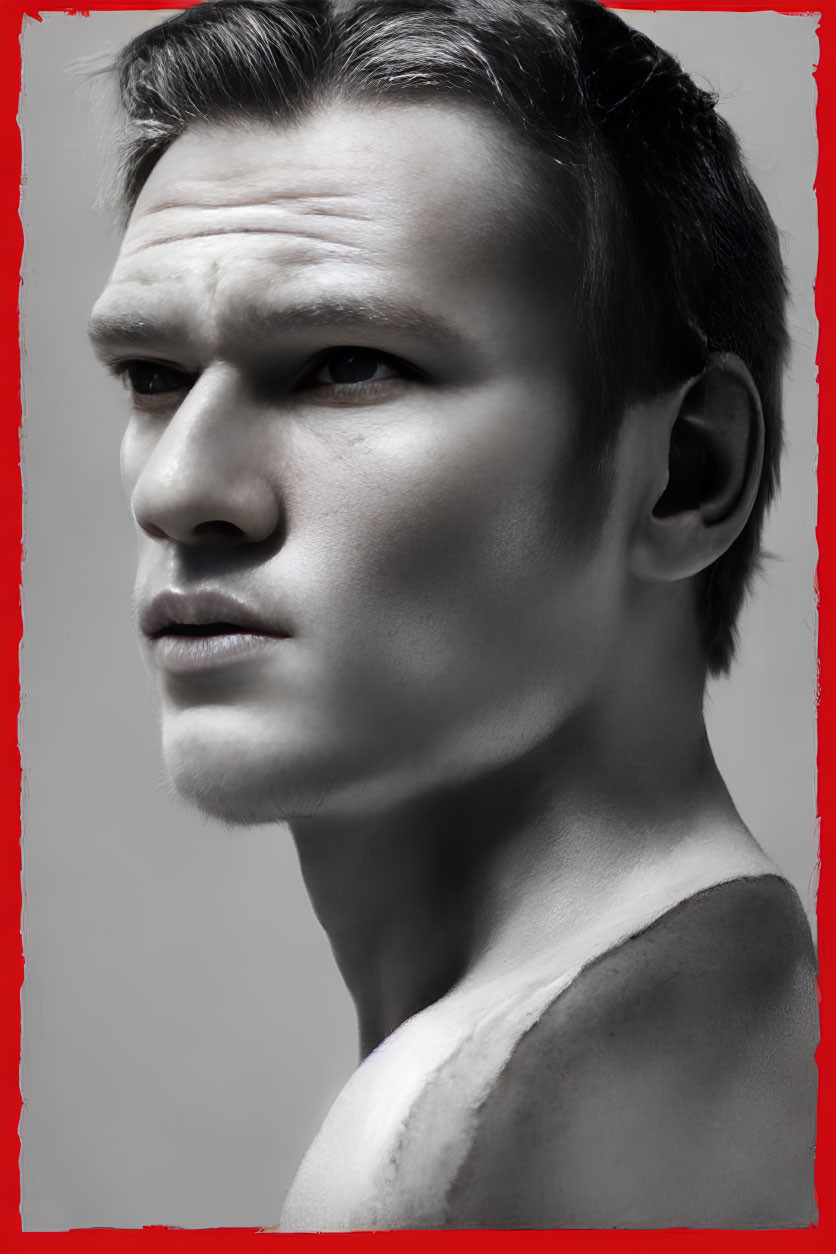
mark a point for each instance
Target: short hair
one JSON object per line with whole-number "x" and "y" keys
{"x": 675, "y": 253}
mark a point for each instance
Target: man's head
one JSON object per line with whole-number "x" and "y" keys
{"x": 524, "y": 223}
{"x": 642, "y": 186}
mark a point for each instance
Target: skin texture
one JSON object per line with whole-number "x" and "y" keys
{"x": 484, "y": 726}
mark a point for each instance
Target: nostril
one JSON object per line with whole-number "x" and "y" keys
{"x": 152, "y": 530}
{"x": 219, "y": 528}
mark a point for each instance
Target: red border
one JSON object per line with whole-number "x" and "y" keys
{"x": 222, "y": 1240}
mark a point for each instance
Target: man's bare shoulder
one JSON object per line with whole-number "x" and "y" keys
{"x": 672, "y": 1085}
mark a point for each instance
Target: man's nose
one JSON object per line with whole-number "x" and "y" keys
{"x": 209, "y": 475}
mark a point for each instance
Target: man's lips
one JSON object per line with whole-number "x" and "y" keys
{"x": 202, "y": 613}
{"x": 200, "y": 632}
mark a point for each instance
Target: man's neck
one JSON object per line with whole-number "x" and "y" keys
{"x": 418, "y": 895}
{"x": 415, "y": 899}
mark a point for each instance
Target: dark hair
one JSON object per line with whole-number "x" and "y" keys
{"x": 676, "y": 254}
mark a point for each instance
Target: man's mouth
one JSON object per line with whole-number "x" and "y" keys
{"x": 204, "y": 630}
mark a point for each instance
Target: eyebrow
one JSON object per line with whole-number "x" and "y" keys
{"x": 128, "y": 329}
{"x": 108, "y": 329}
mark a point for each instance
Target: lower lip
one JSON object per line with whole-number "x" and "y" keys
{"x": 185, "y": 655}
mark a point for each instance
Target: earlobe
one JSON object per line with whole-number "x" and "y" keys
{"x": 714, "y": 455}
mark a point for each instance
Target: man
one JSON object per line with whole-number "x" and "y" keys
{"x": 453, "y": 333}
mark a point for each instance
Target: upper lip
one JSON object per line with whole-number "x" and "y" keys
{"x": 202, "y": 608}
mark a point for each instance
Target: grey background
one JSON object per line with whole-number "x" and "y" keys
{"x": 184, "y": 1027}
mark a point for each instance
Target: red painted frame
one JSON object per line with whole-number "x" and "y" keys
{"x": 225, "y": 1240}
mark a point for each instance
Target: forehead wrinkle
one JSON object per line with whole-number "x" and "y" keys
{"x": 321, "y": 224}
{"x": 181, "y": 237}
{"x": 316, "y": 203}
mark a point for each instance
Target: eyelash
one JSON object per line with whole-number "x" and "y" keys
{"x": 123, "y": 371}
{"x": 357, "y": 390}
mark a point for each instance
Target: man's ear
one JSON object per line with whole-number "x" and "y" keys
{"x": 714, "y": 460}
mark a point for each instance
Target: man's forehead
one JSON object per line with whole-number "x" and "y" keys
{"x": 339, "y": 155}
{"x": 354, "y": 183}
{"x": 408, "y": 215}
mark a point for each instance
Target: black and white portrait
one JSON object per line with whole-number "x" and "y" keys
{"x": 419, "y": 664}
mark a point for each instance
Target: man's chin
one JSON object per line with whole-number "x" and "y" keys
{"x": 235, "y": 793}
{"x": 227, "y": 765}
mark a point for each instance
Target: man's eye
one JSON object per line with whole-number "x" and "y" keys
{"x": 153, "y": 378}
{"x": 344, "y": 366}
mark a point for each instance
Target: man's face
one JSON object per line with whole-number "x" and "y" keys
{"x": 348, "y": 457}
